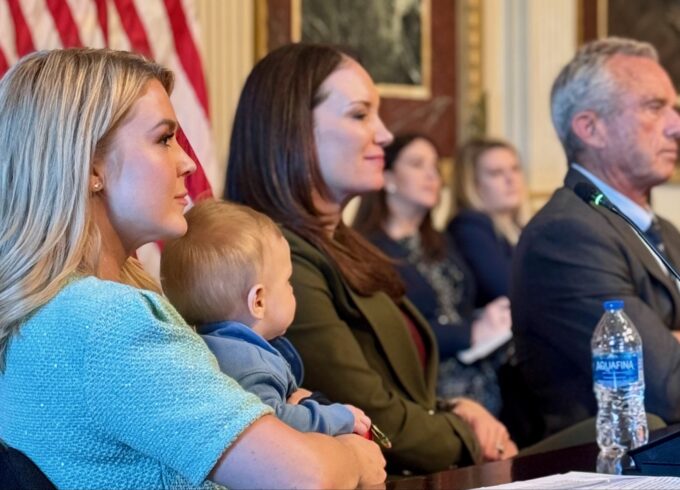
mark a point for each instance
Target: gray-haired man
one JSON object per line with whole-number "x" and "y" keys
{"x": 613, "y": 107}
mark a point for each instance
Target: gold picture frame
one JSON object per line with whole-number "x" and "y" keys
{"x": 421, "y": 91}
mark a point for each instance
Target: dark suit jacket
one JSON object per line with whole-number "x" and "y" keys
{"x": 570, "y": 258}
{"x": 358, "y": 350}
{"x": 488, "y": 254}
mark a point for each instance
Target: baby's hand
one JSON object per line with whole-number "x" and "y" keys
{"x": 362, "y": 424}
{"x": 298, "y": 395}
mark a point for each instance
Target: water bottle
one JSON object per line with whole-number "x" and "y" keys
{"x": 618, "y": 382}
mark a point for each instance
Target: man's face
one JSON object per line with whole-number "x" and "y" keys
{"x": 641, "y": 146}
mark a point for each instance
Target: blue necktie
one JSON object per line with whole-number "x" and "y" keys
{"x": 653, "y": 233}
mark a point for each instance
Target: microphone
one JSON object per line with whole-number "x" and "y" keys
{"x": 594, "y": 196}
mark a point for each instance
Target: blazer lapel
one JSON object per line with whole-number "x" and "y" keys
{"x": 641, "y": 251}
{"x": 432, "y": 368}
{"x": 384, "y": 317}
{"x": 671, "y": 241}
{"x": 634, "y": 242}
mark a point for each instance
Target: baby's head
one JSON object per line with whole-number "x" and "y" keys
{"x": 233, "y": 264}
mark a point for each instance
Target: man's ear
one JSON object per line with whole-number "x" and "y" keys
{"x": 256, "y": 304}
{"x": 590, "y": 129}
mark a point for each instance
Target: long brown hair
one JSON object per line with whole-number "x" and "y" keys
{"x": 373, "y": 212}
{"x": 273, "y": 164}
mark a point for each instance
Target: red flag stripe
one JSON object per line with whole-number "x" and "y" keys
{"x": 134, "y": 28}
{"x": 63, "y": 20}
{"x": 4, "y": 65}
{"x": 22, "y": 33}
{"x": 103, "y": 17}
{"x": 198, "y": 186}
{"x": 187, "y": 51}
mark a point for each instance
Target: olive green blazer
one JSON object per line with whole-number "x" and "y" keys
{"x": 359, "y": 350}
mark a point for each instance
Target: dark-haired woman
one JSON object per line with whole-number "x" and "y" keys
{"x": 306, "y": 139}
{"x": 398, "y": 221}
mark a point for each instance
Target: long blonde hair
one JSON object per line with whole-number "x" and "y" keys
{"x": 59, "y": 111}
{"x": 466, "y": 194}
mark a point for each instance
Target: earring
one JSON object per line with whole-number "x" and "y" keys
{"x": 97, "y": 186}
{"x": 390, "y": 187}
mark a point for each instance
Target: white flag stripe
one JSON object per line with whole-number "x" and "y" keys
{"x": 84, "y": 14}
{"x": 7, "y": 43}
{"x": 153, "y": 15}
{"x": 43, "y": 30}
{"x": 189, "y": 7}
{"x": 195, "y": 125}
{"x": 187, "y": 106}
{"x": 117, "y": 37}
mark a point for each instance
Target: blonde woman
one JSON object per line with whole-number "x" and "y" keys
{"x": 102, "y": 383}
{"x": 492, "y": 208}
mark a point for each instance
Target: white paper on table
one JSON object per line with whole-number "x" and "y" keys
{"x": 583, "y": 480}
{"x": 483, "y": 349}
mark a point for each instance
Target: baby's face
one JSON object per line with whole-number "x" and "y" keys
{"x": 278, "y": 293}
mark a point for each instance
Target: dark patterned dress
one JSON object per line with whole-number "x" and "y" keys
{"x": 444, "y": 292}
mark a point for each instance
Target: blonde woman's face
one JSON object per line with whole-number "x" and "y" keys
{"x": 143, "y": 174}
{"x": 349, "y": 133}
{"x": 499, "y": 180}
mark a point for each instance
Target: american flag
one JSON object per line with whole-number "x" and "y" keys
{"x": 163, "y": 30}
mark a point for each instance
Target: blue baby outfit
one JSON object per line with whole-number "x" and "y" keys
{"x": 261, "y": 369}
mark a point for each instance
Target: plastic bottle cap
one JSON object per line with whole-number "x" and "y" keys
{"x": 613, "y": 304}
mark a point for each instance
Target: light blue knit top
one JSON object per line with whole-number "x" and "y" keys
{"x": 107, "y": 387}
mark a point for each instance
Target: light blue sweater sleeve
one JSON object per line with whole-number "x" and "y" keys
{"x": 308, "y": 416}
{"x": 151, "y": 383}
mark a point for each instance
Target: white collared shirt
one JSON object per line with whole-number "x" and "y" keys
{"x": 639, "y": 215}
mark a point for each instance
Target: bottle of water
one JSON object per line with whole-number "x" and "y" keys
{"x": 619, "y": 382}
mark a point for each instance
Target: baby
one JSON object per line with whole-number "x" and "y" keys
{"x": 230, "y": 276}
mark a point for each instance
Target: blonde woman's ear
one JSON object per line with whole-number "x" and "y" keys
{"x": 96, "y": 182}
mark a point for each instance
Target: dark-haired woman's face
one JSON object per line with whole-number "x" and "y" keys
{"x": 349, "y": 134}
{"x": 415, "y": 179}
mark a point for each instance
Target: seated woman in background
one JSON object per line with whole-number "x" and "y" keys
{"x": 102, "y": 384}
{"x": 306, "y": 139}
{"x": 398, "y": 221}
{"x": 492, "y": 208}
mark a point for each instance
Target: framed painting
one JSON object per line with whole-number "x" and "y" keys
{"x": 398, "y": 42}
{"x": 391, "y": 37}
